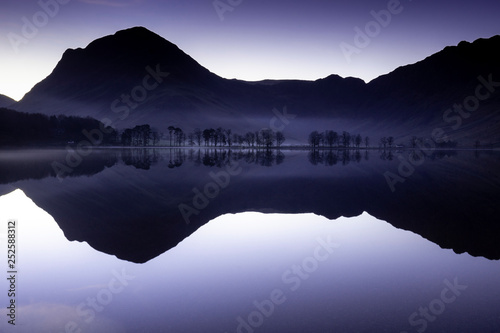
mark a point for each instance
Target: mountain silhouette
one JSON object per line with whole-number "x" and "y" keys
{"x": 6, "y": 101}
{"x": 109, "y": 77}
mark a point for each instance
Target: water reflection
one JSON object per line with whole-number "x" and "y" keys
{"x": 140, "y": 158}
{"x": 331, "y": 157}
{"x": 451, "y": 198}
{"x": 17, "y": 165}
{"x": 39, "y": 164}
{"x": 349, "y": 275}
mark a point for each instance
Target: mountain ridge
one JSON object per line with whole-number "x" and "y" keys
{"x": 409, "y": 100}
{"x": 6, "y": 101}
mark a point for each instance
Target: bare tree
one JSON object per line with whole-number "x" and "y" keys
{"x": 314, "y": 139}
{"x": 358, "y": 140}
{"x": 219, "y": 136}
{"x": 207, "y": 136}
{"x": 190, "y": 139}
{"x": 267, "y": 137}
{"x": 127, "y": 137}
{"x": 178, "y": 136}
{"x": 145, "y": 131}
{"x": 250, "y": 138}
{"x": 229, "y": 137}
{"x": 241, "y": 139}
{"x": 321, "y": 139}
{"x": 331, "y": 138}
{"x": 346, "y": 139}
{"x": 155, "y": 136}
{"x": 280, "y": 138}
{"x": 170, "y": 131}
{"x": 197, "y": 135}
{"x": 237, "y": 139}
{"x": 258, "y": 139}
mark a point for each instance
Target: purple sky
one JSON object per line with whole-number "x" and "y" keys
{"x": 257, "y": 39}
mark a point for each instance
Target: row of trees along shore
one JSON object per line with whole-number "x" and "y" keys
{"x": 332, "y": 139}
{"x": 38, "y": 129}
{"x": 144, "y": 135}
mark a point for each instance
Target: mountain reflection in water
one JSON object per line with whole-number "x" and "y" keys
{"x": 138, "y": 203}
{"x": 252, "y": 272}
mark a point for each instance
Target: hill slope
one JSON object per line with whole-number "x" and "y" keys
{"x": 6, "y": 101}
{"x": 136, "y": 76}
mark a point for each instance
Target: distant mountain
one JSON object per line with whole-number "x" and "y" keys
{"x": 6, "y": 101}
{"x": 420, "y": 94}
{"x": 123, "y": 77}
{"x": 93, "y": 82}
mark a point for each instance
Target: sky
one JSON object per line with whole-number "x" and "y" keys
{"x": 246, "y": 39}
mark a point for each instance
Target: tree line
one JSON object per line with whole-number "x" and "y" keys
{"x": 141, "y": 135}
{"x": 19, "y": 128}
{"x": 144, "y": 135}
{"x": 332, "y": 139}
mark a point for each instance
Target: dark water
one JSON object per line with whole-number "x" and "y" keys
{"x": 418, "y": 255}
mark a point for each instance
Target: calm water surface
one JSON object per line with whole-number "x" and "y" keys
{"x": 252, "y": 241}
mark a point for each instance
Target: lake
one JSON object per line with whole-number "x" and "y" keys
{"x": 217, "y": 240}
